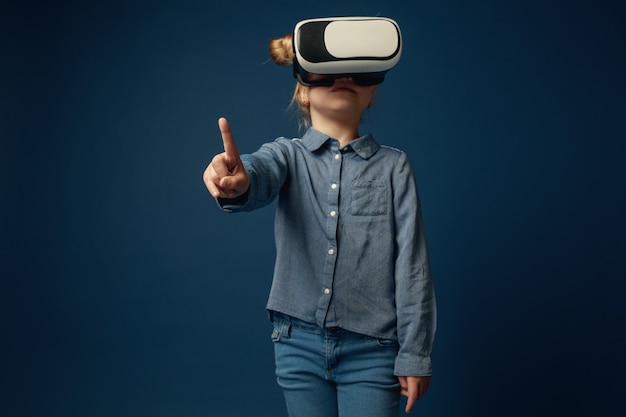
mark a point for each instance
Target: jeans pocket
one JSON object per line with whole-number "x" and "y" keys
{"x": 387, "y": 343}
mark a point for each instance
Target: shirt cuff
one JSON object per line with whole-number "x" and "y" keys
{"x": 233, "y": 204}
{"x": 409, "y": 365}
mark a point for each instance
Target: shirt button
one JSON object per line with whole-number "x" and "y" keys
{"x": 333, "y": 186}
{"x": 337, "y": 156}
{"x": 331, "y": 251}
{"x": 333, "y": 213}
{"x": 326, "y": 291}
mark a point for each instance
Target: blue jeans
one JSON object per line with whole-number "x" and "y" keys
{"x": 331, "y": 372}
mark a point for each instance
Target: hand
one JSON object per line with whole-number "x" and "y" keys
{"x": 225, "y": 177}
{"x": 413, "y": 387}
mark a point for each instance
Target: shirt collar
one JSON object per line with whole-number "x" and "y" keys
{"x": 364, "y": 146}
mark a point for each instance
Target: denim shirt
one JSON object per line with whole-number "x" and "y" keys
{"x": 350, "y": 243}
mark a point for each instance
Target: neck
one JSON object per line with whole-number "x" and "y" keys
{"x": 342, "y": 130}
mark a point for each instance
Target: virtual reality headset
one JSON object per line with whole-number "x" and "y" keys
{"x": 362, "y": 48}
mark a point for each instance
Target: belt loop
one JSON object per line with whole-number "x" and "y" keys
{"x": 284, "y": 322}
{"x": 285, "y": 327}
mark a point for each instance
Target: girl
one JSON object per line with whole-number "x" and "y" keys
{"x": 352, "y": 301}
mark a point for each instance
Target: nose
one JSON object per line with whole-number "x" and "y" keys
{"x": 344, "y": 78}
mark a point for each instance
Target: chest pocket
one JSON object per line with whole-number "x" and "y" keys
{"x": 369, "y": 198}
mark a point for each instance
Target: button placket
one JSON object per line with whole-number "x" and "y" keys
{"x": 331, "y": 207}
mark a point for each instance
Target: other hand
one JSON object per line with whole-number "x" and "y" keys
{"x": 413, "y": 387}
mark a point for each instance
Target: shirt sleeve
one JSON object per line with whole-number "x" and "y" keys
{"x": 414, "y": 292}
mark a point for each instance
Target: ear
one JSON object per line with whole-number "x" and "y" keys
{"x": 373, "y": 97}
{"x": 304, "y": 95}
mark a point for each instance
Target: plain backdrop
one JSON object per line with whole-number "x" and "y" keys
{"x": 126, "y": 292}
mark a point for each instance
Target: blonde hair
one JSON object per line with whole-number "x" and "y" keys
{"x": 281, "y": 51}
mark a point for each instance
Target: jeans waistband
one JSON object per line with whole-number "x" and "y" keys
{"x": 299, "y": 323}
{"x": 282, "y": 318}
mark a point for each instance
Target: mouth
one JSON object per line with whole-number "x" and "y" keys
{"x": 342, "y": 88}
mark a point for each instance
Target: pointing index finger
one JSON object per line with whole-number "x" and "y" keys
{"x": 227, "y": 138}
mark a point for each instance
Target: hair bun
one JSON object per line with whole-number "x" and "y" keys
{"x": 281, "y": 50}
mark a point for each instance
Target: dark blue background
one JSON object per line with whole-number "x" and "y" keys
{"x": 126, "y": 292}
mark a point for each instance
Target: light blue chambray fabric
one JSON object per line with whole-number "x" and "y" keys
{"x": 350, "y": 244}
